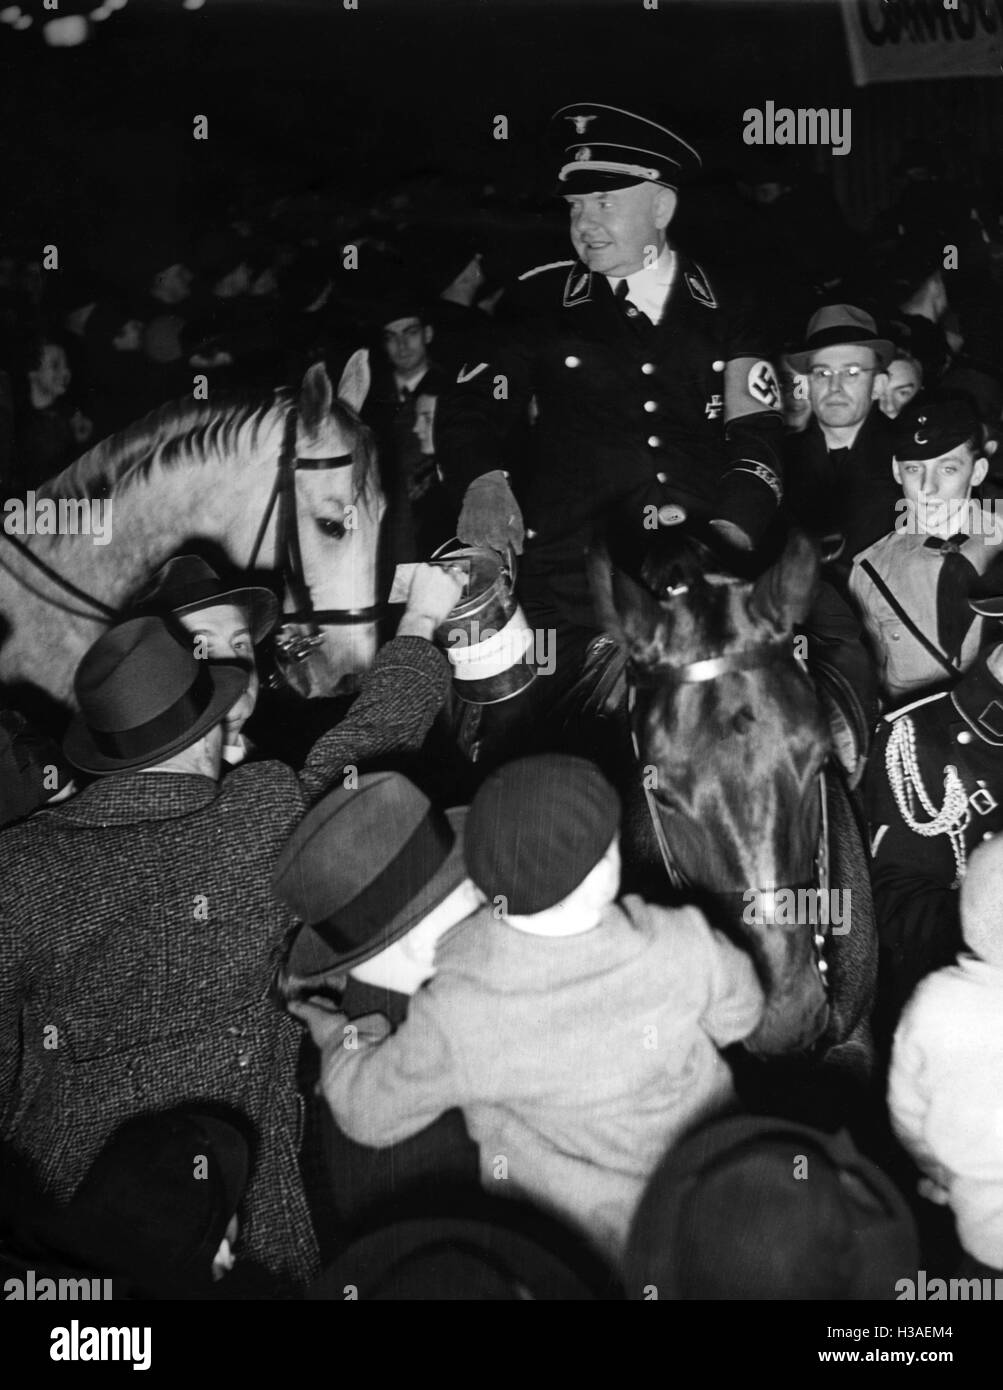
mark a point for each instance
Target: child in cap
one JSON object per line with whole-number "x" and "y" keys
{"x": 580, "y": 1035}
{"x": 946, "y": 1082}
{"x": 912, "y": 586}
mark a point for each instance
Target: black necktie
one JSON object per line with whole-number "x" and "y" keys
{"x": 957, "y": 573}
{"x": 635, "y": 318}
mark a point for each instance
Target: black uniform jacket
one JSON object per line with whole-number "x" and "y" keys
{"x": 915, "y": 877}
{"x": 631, "y": 415}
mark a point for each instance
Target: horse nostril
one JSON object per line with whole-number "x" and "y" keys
{"x": 743, "y": 719}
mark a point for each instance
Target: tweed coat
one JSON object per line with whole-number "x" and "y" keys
{"x": 138, "y": 935}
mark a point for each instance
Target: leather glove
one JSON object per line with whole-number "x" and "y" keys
{"x": 491, "y": 515}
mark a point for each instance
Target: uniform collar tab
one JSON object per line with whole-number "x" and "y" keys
{"x": 578, "y": 286}
{"x": 979, "y": 700}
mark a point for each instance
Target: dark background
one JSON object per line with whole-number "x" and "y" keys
{"x": 303, "y": 94}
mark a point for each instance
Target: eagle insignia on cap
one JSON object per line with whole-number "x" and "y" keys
{"x": 583, "y": 153}
{"x": 580, "y": 122}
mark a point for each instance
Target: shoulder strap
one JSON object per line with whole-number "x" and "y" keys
{"x": 920, "y": 636}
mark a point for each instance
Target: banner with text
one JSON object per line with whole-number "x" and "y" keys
{"x": 903, "y": 40}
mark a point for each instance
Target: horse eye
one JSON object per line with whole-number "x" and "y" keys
{"x": 330, "y": 527}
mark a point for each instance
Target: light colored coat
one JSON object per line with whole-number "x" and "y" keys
{"x": 911, "y": 570}
{"x": 578, "y": 1061}
{"x": 946, "y": 1095}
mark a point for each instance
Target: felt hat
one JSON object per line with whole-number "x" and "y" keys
{"x": 836, "y": 324}
{"x": 157, "y": 1200}
{"x": 187, "y": 583}
{"x": 536, "y": 828}
{"x": 143, "y": 696}
{"x": 758, "y": 1208}
{"x": 604, "y": 147}
{"x": 926, "y": 429}
{"x": 446, "y": 1259}
{"x": 364, "y": 867}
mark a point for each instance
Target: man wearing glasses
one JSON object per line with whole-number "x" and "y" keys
{"x": 840, "y": 468}
{"x": 841, "y": 489}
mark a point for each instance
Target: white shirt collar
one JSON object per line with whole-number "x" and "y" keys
{"x": 409, "y": 382}
{"x": 648, "y": 288}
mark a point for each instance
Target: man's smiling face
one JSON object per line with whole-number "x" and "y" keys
{"x": 618, "y": 231}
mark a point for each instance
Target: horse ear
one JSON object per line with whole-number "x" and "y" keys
{"x": 316, "y": 398}
{"x": 783, "y": 595}
{"x": 353, "y": 388}
{"x": 629, "y": 613}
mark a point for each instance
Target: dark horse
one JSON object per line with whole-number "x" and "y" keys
{"x": 731, "y": 741}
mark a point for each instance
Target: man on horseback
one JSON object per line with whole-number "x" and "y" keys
{"x": 655, "y": 403}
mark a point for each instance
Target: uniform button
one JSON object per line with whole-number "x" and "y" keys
{"x": 650, "y": 406}
{"x": 717, "y": 366}
{"x": 965, "y": 736}
{"x": 572, "y": 361}
{"x": 988, "y": 835}
{"x": 654, "y": 441}
{"x": 895, "y": 636}
{"x": 632, "y": 313}
{"x": 662, "y": 477}
{"x": 647, "y": 368}
{"x": 671, "y": 515}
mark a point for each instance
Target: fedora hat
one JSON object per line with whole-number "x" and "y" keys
{"x": 364, "y": 867}
{"x": 449, "y": 1259}
{"x": 137, "y": 1213}
{"x": 836, "y": 324}
{"x": 143, "y": 695}
{"x": 724, "y": 1217}
{"x": 187, "y": 583}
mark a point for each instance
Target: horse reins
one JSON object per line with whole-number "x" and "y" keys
{"x": 708, "y": 669}
{"x": 103, "y": 609}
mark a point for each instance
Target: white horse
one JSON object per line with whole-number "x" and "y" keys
{"x": 193, "y": 474}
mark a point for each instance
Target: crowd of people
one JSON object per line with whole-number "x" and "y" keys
{"x": 324, "y": 1033}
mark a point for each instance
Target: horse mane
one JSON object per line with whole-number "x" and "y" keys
{"x": 189, "y": 432}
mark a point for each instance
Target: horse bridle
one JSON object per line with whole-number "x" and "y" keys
{"x": 290, "y": 559}
{"x": 709, "y": 669}
{"x": 293, "y": 648}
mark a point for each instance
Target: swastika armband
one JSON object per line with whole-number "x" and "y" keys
{"x": 750, "y": 387}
